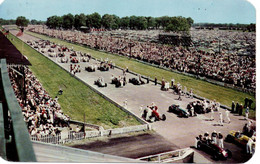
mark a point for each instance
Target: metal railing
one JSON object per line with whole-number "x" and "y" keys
{"x": 47, "y": 138}
{"x": 2, "y": 134}
{"x": 72, "y": 135}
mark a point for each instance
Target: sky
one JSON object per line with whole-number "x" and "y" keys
{"x": 201, "y": 11}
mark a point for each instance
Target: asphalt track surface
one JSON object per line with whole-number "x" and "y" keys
{"x": 181, "y": 132}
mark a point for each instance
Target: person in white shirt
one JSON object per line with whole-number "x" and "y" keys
{"x": 227, "y": 115}
{"x": 249, "y": 145}
{"x": 220, "y": 119}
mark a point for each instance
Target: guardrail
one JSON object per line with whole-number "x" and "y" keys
{"x": 17, "y": 140}
{"x": 176, "y": 156}
{"x": 2, "y": 134}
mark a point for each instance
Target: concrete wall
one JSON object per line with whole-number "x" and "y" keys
{"x": 56, "y": 153}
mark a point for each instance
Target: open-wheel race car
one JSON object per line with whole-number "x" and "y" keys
{"x": 90, "y": 68}
{"x": 74, "y": 60}
{"x": 178, "y": 110}
{"x": 213, "y": 149}
{"x": 238, "y": 138}
{"x": 100, "y": 82}
{"x": 61, "y": 54}
{"x": 118, "y": 82}
{"x": 151, "y": 114}
{"x": 135, "y": 81}
{"x": 103, "y": 67}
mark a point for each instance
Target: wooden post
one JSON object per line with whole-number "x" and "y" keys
{"x": 84, "y": 125}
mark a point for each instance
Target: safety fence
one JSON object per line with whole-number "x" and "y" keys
{"x": 72, "y": 135}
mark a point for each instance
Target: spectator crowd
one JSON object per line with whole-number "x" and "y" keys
{"x": 42, "y": 114}
{"x": 233, "y": 64}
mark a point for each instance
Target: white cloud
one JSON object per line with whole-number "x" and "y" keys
{"x": 1, "y": 1}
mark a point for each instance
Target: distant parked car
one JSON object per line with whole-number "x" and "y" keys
{"x": 178, "y": 110}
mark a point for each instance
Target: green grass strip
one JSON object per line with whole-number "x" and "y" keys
{"x": 202, "y": 88}
{"x": 77, "y": 99}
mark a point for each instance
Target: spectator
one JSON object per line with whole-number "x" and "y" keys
{"x": 220, "y": 140}
{"x": 246, "y": 113}
{"x": 41, "y": 112}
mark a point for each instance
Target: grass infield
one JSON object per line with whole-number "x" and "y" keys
{"x": 77, "y": 99}
{"x": 202, "y": 88}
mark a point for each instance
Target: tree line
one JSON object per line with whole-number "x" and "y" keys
{"x": 20, "y": 21}
{"x": 108, "y": 21}
{"x": 227, "y": 26}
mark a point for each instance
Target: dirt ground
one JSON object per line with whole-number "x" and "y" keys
{"x": 130, "y": 146}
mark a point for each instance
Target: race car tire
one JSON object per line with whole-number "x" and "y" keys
{"x": 228, "y": 138}
{"x": 216, "y": 156}
{"x": 229, "y": 153}
{"x": 163, "y": 117}
{"x": 198, "y": 145}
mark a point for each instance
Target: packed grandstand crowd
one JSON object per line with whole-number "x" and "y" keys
{"x": 42, "y": 114}
{"x": 224, "y": 56}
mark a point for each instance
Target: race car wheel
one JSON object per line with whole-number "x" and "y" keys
{"x": 163, "y": 117}
{"x": 215, "y": 156}
{"x": 229, "y": 153}
{"x": 198, "y": 145}
{"x": 228, "y": 138}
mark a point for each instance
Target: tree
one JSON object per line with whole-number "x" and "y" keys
{"x": 22, "y": 21}
{"x": 33, "y": 22}
{"x": 141, "y": 23}
{"x": 132, "y": 22}
{"x": 178, "y": 24}
{"x": 88, "y": 21}
{"x": 93, "y": 20}
{"x": 67, "y": 21}
{"x": 7, "y": 22}
{"x": 107, "y": 21}
{"x": 158, "y": 22}
{"x": 116, "y": 23}
{"x": 79, "y": 20}
{"x": 165, "y": 20}
{"x": 151, "y": 23}
{"x": 190, "y": 21}
{"x": 124, "y": 22}
{"x": 54, "y": 22}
